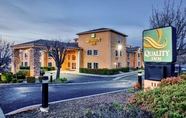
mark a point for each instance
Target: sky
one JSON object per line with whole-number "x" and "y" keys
{"x": 27, "y": 20}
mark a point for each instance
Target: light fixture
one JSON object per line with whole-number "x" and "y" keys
{"x": 119, "y": 47}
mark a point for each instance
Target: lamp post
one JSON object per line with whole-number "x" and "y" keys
{"x": 50, "y": 77}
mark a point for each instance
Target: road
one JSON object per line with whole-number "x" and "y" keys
{"x": 17, "y": 96}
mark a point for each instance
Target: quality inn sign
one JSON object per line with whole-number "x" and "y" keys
{"x": 159, "y": 45}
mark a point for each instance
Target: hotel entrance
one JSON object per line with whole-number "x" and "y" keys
{"x": 71, "y": 62}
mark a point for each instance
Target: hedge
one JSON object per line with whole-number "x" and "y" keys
{"x": 25, "y": 67}
{"x": 30, "y": 79}
{"x": 104, "y": 71}
{"x": 48, "y": 68}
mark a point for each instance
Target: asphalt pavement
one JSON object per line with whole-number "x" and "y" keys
{"x": 16, "y": 96}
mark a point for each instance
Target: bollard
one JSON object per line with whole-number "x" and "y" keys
{"x": 44, "y": 107}
{"x": 50, "y": 77}
{"x": 0, "y": 76}
{"x": 140, "y": 79}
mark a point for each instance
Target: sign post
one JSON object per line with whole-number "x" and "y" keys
{"x": 159, "y": 54}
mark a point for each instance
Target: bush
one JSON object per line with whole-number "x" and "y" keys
{"x": 165, "y": 101}
{"x": 19, "y": 80}
{"x": 48, "y": 68}
{"x": 30, "y": 79}
{"x": 14, "y": 80}
{"x": 25, "y": 67}
{"x": 61, "y": 80}
{"x": 104, "y": 71}
{"x": 22, "y": 73}
{"x": 6, "y": 77}
{"x": 40, "y": 79}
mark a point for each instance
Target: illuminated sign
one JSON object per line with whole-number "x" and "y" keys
{"x": 93, "y": 40}
{"x": 159, "y": 45}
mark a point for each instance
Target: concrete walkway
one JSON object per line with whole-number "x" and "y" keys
{"x": 121, "y": 74}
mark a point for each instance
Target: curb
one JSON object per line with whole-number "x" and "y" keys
{"x": 38, "y": 105}
{"x": 1, "y": 113}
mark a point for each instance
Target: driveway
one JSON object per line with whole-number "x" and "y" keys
{"x": 17, "y": 96}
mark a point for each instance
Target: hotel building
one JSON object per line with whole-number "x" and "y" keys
{"x": 98, "y": 48}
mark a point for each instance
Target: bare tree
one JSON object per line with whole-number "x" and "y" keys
{"x": 5, "y": 54}
{"x": 57, "y": 50}
{"x": 172, "y": 15}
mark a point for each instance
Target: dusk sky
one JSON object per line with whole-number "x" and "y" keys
{"x": 27, "y": 20}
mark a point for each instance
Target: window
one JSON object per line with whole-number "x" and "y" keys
{"x": 89, "y": 65}
{"x": 138, "y": 54}
{"x": 138, "y": 64}
{"x": 95, "y": 52}
{"x": 116, "y": 53}
{"x": 21, "y": 63}
{"x": 119, "y": 39}
{"x": 49, "y": 63}
{"x": 73, "y": 57}
{"x": 95, "y": 65}
{"x": 128, "y": 55}
{"x": 128, "y": 64}
{"x": 89, "y": 52}
{"x": 49, "y": 55}
{"x": 26, "y": 55}
{"x": 26, "y": 63}
{"x": 121, "y": 53}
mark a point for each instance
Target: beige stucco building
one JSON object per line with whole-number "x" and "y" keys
{"x": 98, "y": 48}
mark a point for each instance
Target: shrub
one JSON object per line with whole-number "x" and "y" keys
{"x": 104, "y": 71}
{"x": 14, "y": 80}
{"x": 48, "y": 68}
{"x": 6, "y": 77}
{"x": 170, "y": 81}
{"x": 164, "y": 101}
{"x": 61, "y": 80}
{"x": 22, "y": 73}
{"x": 25, "y": 67}
{"x": 40, "y": 79}
{"x": 30, "y": 79}
{"x": 19, "y": 80}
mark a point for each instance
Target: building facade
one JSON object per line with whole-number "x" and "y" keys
{"x": 98, "y": 48}
{"x": 134, "y": 57}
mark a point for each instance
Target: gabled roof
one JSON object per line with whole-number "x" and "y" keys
{"x": 101, "y": 30}
{"x": 132, "y": 49}
{"x": 42, "y": 42}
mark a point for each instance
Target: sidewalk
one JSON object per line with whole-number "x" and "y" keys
{"x": 121, "y": 74}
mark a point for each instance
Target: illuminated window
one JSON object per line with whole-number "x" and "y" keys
{"x": 89, "y": 52}
{"x": 89, "y": 65}
{"x": 73, "y": 57}
{"x": 119, "y": 39}
{"x": 95, "y": 65}
{"x": 95, "y": 52}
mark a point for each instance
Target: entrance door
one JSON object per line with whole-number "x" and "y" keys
{"x": 71, "y": 63}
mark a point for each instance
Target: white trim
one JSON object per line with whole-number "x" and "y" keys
{"x": 97, "y": 53}
{"x": 87, "y": 53}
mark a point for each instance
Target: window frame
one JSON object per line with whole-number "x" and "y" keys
{"x": 119, "y": 39}
{"x": 49, "y": 64}
{"x": 88, "y": 52}
{"x": 94, "y": 52}
{"x": 116, "y": 53}
{"x": 96, "y": 65}
{"x": 89, "y": 65}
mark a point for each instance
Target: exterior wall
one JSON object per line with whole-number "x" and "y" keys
{"x": 150, "y": 84}
{"x": 114, "y": 46}
{"x": 103, "y": 47}
{"x": 134, "y": 59}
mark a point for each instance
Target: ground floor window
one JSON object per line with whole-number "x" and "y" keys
{"x": 49, "y": 63}
{"x": 26, "y": 63}
{"x": 138, "y": 64}
{"x": 128, "y": 64}
{"x": 95, "y": 65}
{"x": 89, "y": 65}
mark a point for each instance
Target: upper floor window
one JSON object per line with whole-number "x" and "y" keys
{"x": 128, "y": 54}
{"x": 89, "y": 65}
{"x": 26, "y": 55}
{"x": 49, "y": 54}
{"x": 89, "y": 52}
{"x": 138, "y": 54}
{"x": 95, "y": 65}
{"x": 121, "y": 53}
{"x": 95, "y": 52}
{"x": 116, "y": 53}
{"x": 119, "y": 39}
